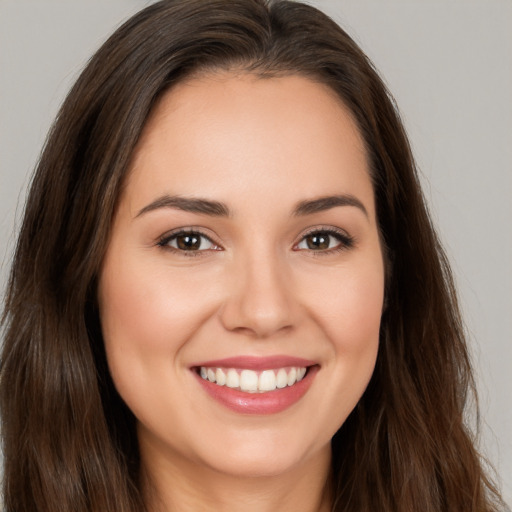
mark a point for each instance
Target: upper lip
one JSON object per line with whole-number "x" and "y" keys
{"x": 257, "y": 362}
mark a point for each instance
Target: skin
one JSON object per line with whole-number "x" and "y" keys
{"x": 260, "y": 146}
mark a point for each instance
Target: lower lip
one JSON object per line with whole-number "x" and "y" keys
{"x": 270, "y": 402}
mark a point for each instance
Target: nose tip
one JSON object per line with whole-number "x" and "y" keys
{"x": 260, "y": 303}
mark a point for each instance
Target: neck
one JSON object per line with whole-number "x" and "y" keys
{"x": 179, "y": 485}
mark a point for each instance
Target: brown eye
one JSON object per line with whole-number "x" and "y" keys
{"x": 325, "y": 241}
{"x": 319, "y": 241}
{"x": 188, "y": 241}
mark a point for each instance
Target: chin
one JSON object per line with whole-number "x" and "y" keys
{"x": 264, "y": 456}
{"x": 263, "y": 466}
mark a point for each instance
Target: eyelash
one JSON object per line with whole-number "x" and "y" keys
{"x": 164, "y": 241}
{"x": 345, "y": 241}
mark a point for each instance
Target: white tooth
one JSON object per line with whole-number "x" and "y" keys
{"x": 220, "y": 377}
{"x": 281, "y": 379}
{"x": 232, "y": 379}
{"x": 204, "y": 374}
{"x": 300, "y": 373}
{"x": 211, "y": 375}
{"x": 248, "y": 380}
{"x": 267, "y": 381}
{"x": 292, "y": 376}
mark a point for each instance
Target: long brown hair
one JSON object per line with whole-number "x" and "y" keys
{"x": 69, "y": 441}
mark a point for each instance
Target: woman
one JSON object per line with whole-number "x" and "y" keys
{"x": 227, "y": 291}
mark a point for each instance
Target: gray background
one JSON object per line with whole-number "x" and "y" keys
{"x": 449, "y": 66}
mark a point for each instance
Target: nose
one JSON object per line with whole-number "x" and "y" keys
{"x": 260, "y": 299}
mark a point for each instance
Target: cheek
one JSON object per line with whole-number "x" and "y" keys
{"x": 147, "y": 314}
{"x": 356, "y": 339}
{"x": 360, "y": 302}
{"x": 145, "y": 306}
{"x": 348, "y": 305}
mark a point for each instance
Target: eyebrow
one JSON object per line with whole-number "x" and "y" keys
{"x": 326, "y": 203}
{"x": 187, "y": 204}
{"x": 218, "y": 209}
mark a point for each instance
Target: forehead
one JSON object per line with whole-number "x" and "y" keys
{"x": 255, "y": 134}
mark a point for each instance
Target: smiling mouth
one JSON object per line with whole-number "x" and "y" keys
{"x": 251, "y": 381}
{"x": 256, "y": 385}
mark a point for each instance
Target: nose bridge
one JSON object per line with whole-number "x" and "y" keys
{"x": 260, "y": 296}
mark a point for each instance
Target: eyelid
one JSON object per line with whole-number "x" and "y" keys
{"x": 164, "y": 239}
{"x": 346, "y": 240}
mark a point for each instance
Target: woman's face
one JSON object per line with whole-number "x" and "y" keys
{"x": 244, "y": 252}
